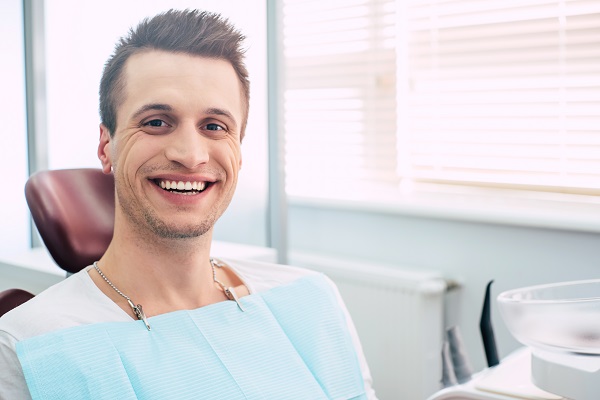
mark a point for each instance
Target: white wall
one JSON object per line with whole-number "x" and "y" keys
{"x": 472, "y": 253}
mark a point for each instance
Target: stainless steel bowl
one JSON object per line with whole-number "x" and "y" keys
{"x": 562, "y": 317}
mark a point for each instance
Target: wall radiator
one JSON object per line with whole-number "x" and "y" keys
{"x": 399, "y": 316}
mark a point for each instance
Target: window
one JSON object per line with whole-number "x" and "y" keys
{"x": 340, "y": 94}
{"x": 503, "y": 92}
{"x": 488, "y": 93}
{"x": 14, "y": 229}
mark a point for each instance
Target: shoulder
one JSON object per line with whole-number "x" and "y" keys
{"x": 74, "y": 301}
{"x": 260, "y": 276}
{"x": 48, "y": 311}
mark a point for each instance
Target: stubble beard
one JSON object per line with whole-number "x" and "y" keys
{"x": 145, "y": 220}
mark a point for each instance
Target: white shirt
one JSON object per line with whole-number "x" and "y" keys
{"x": 78, "y": 301}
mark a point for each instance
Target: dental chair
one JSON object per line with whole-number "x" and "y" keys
{"x": 73, "y": 210}
{"x": 11, "y": 298}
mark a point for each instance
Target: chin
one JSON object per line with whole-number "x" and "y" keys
{"x": 179, "y": 230}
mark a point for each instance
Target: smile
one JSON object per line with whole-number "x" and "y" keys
{"x": 187, "y": 187}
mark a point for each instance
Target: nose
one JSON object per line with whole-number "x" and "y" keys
{"x": 187, "y": 147}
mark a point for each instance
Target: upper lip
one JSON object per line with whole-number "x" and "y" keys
{"x": 183, "y": 178}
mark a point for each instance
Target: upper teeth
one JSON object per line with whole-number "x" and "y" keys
{"x": 182, "y": 185}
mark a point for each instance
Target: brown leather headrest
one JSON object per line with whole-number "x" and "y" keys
{"x": 12, "y": 298}
{"x": 73, "y": 210}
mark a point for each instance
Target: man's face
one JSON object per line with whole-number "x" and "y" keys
{"x": 176, "y": 149}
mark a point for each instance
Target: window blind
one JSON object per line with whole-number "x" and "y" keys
{"x": 478, "y": 92}
{"x": 501, "y": 92}
{"x": 339, "y": 94}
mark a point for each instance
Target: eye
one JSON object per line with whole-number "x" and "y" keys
{"x": 213, "y": 127}
{"x": 156, "y": 123}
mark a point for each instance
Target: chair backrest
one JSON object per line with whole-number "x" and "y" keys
{"x": 12, "y": 298}
{"x": 73, "y": 210}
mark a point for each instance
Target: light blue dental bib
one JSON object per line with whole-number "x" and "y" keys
{"x": 291, "y": 342}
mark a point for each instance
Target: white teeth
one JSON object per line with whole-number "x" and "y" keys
{"x": 167, "y": 185}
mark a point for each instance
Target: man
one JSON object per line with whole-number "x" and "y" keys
{"x": 156, "y": 317}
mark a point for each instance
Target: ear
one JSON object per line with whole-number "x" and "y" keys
{"x": 104, "y": 150}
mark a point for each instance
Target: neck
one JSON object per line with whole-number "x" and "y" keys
{"x": 161, "y": 274}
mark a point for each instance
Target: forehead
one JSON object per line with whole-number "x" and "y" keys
{"x": 182, "y": 81}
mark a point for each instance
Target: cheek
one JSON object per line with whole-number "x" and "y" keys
{"x": 235, "y": 155}
{"x": 138, "y": 153}
{"x": 132, "y": 159}
{"x": 226, "y": 154}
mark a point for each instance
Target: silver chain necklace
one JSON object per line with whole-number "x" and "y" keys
{"x": 229, "y": 291}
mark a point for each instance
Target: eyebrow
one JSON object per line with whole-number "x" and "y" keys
{"x": 150, "y": 107}
{"x": 220, "y": 111}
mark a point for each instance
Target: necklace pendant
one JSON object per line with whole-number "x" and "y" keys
{"x": 232, "y": 295}
{"x": 139, "y": 313}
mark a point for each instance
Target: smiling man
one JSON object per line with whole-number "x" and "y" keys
{"x": 156, "y": 317}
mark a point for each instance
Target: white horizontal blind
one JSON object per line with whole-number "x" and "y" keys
{"x": 340, "y": 95}
{"x": 500, "y": 92}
